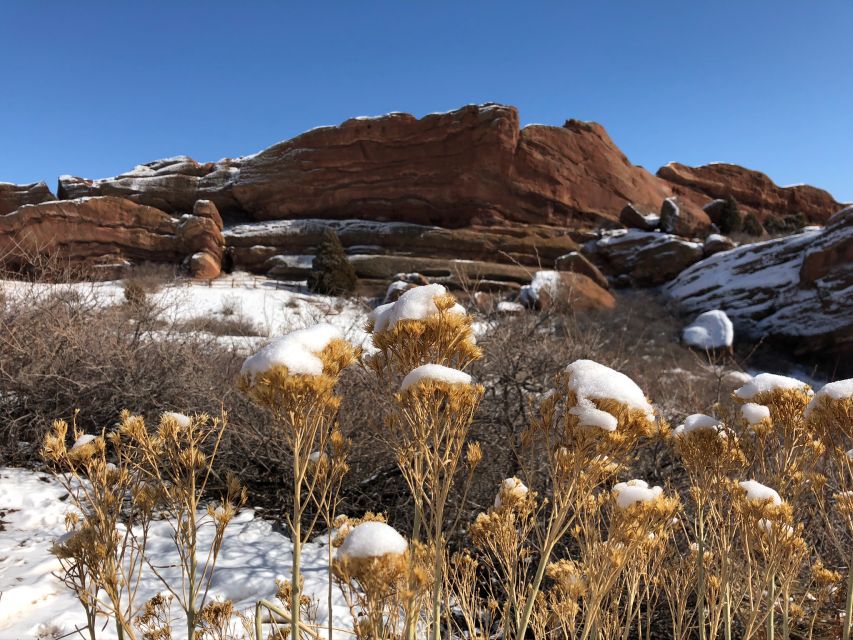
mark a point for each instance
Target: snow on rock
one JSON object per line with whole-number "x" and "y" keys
{"x": 632, "y": 492}
{"x": 414, "y": 304}
{"x": 757, "y": 492}
{"x": 710, "y": 330}
{"x": 797, "y": 288}
{"x": 754, "y": 413}
{"x": 510, "y": 488}
{"x": 372, "y": 540}
{"x": 506, "y": 306}
{"x": 697, "y": 422}
{"x": 831, "y": 391}
{"x": 436, "y": 372}
{"x": 297, "y": 351}
{"x": 590, "y": 416}
{"x": 543, "y": 282}
{"x": 768, "y": 382}
{"x": 593, "y": 381}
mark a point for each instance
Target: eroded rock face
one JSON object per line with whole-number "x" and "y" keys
{"x": 254, "y": 244}
{"x": 565, "y": 290}
{"x": 797, "y": 289}
{"x": 647, "y": 258}
{"x": 457, "y": 169}
{"x": 108, "y": 230}
{"x": 753, "y": 190}
{"x": 13, "y": 196}
{"x": 172, "y": 185}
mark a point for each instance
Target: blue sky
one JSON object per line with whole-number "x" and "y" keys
{"x": 93, "y": 88}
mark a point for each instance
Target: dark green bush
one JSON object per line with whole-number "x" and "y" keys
{"x": 788, "y": 224}
{"x": 331, "y": 273}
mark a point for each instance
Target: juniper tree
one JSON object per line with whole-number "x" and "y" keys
{"x": 331, "y": 273}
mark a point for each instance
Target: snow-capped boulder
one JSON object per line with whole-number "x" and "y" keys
{"x": 716, "y": 242}
{"x": 648, "y": 258}
{"x": 710, "y": 330}
{"x": 797, "y": 289}
{"x": 564, "y": 289}
{"x": 633, "y": 218}
{"x": 578, "y": 263}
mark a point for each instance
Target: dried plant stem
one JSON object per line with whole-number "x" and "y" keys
{"x": 848, "y": 604}
{"x": 771, "y": 607}
{"x": 700, "y": 572}
{"x": 296, "y": 573}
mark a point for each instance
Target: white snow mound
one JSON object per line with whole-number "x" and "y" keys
{"x": 590, "y": 380}
{"x": 767, "y": 382}
{"x": 754, "y": 413}
{"x": 414, "y": 304}
{"x": 82, "y": 441}
{"x": 435, "y": 372}
{"x": 757, "y": 492}
{"x": 710, "y": 330}
{"x": 296, "y": 351}
{"x": 831, "y": 391}
{"x": 634, "y": 491}
{"x": 590, "y": 416}
{"x": 183, "y": 420}
{"x": 697, "y": 422}
{"x": 372, "y": 540}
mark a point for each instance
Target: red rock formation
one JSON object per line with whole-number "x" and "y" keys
{"x": 753, "y": 190}
{"x": 13, "y": 196}
{"x": 465, "y": 167}
{"x": 107, "y": 230}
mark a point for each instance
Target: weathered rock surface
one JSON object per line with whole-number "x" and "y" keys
{"x": 172, "y": 185}
{"x": 648, "y": 258}
{"x": 797, "y": 289}
{"x": 256, "y": 243}
{"x": 578, "y": 263}
{"x": 715, "y": 243}
{"x": 466, "y": 167}
{"x": 753, "y": 190}
{"x": 108, "y": 230}
{"x": 13, "y": 196}
{"x": 633, "y": 218}
{"x": 565, "y": 290}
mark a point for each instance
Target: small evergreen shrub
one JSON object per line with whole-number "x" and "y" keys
{"x": 785, "y": 225}
{"x": 331, "y": 273}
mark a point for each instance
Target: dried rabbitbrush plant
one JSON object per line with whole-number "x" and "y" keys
{"x": 103, "y": 552}
{"x": 426, "y": 336}
{"x": 294, "y": 378}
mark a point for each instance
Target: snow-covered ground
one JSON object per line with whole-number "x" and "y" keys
{"x": 271, "y": 306}
{"x": 35, "y": 604}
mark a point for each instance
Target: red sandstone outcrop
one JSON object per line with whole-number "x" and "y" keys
{"x": 466, "y": 167}
{"x": 13, "y": 196}
{"x": 108, "y": 230}
{"x": 753, "y": 190}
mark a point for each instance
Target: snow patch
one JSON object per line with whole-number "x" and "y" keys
{"x": 635, "y": 491}
{"x": 710, "y": 330}
{"x": 296, "y": 351}
{"x": 768, "y": 382}
{"x": 372, "y": 540}
{"x": 436, "y": 372}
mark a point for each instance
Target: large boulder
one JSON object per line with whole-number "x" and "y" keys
{"x": 578, "y": 263}
{"x": 108, "y": 230}
{"x": 633, "y": 218}
{"x": 13, "y": 196}
{"x": 797, "y": 290}
{"x": 647, "y": 258}
{"x": 753, "y": 190}
{"x": 564, "y": 290}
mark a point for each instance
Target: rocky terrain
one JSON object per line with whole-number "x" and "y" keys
{"x": 471, "y": 199}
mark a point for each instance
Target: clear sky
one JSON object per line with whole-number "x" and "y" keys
{"x": 93, "y": 88}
